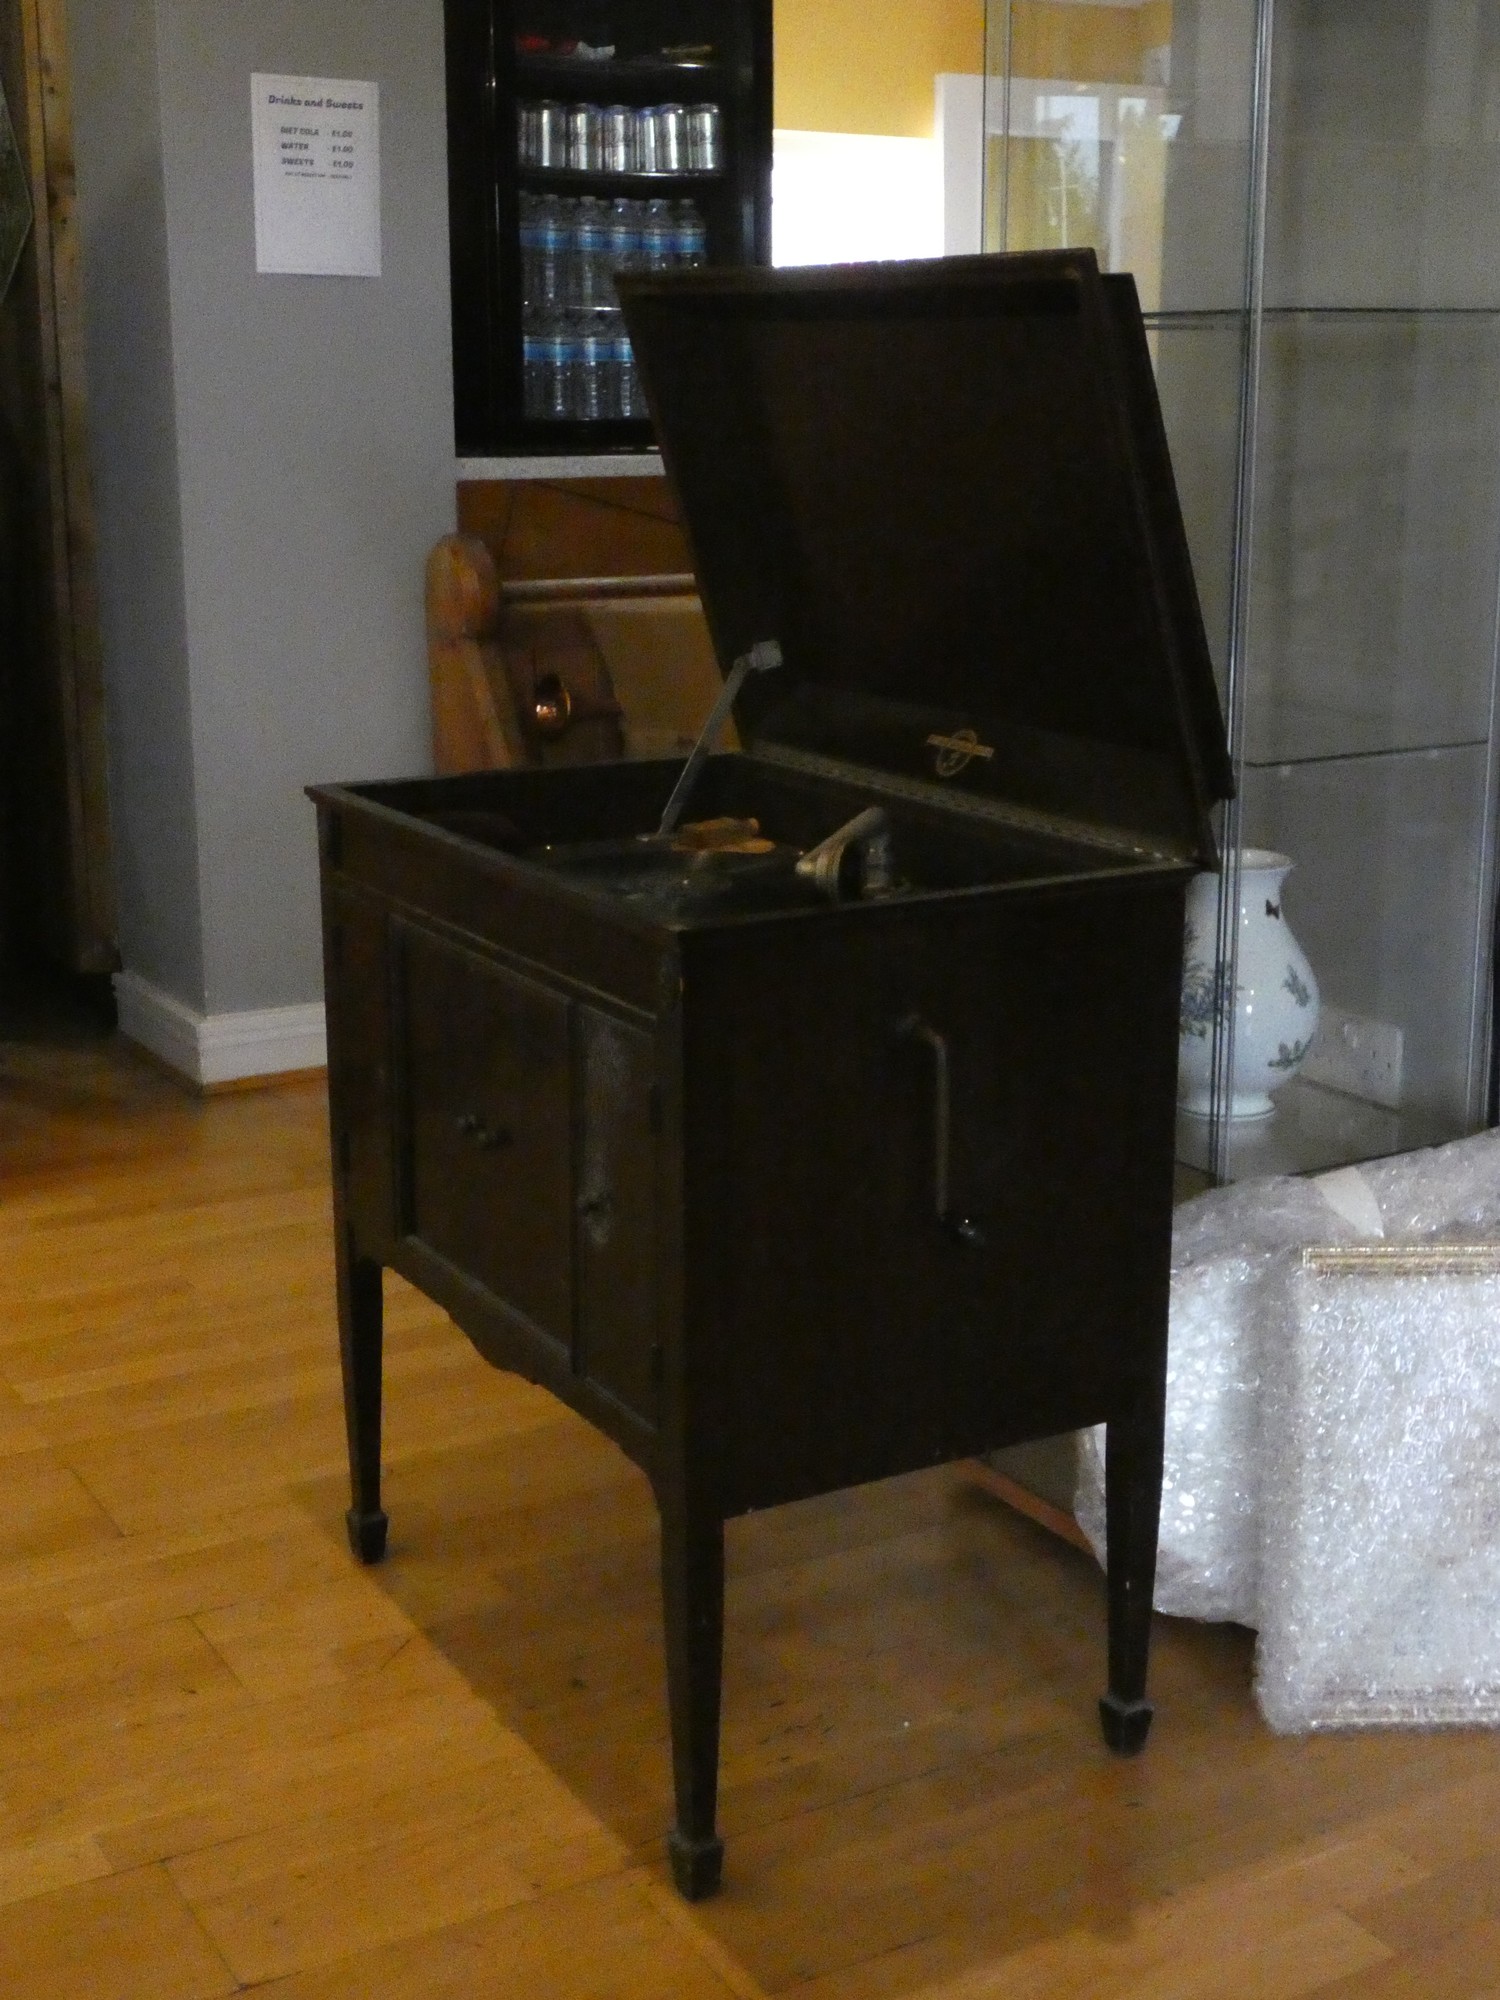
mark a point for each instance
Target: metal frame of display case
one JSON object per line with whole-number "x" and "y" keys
{"x": 1251, "y": 192}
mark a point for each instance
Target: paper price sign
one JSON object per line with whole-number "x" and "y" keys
{"x": 317, "y": 175}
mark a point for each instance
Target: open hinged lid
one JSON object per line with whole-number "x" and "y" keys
{"x": 943, "y": 488}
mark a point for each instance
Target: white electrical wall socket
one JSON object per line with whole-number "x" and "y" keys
{"x": 1361, "y": 1058}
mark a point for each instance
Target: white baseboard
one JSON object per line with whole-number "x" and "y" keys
{"x": 220, "y": 1048}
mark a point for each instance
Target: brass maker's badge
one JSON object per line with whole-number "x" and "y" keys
{"x": 956, "y": 752}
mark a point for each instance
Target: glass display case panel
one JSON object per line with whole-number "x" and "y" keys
{"x": 1318, "y": 242}
{"x": 1385, "y": 155}
{"x": 1126, "y": 128}
{"x": 1199, "y": 360}
{"x": 1384, "y": 899}
{"x": 1377, "y": 486}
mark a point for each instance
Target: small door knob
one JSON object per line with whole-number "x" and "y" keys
{"x": 488, "y": 1138}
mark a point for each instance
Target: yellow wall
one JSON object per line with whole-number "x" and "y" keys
{"x": 1086, "y": 44}
{"x": 1054, "y": 185}
{"x": 1156, "y": 24}
{"x": 868, "y": 65}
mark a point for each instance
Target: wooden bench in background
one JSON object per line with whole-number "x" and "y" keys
{"x": 564, "y": 626}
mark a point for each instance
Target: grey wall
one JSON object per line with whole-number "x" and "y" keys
{"x": 133, "y": 428}
{"x": 280, "y": 446}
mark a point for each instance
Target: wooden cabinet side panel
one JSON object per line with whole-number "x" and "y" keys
{"x": 1068, "y": 1141}
{"x": 856, "y": 1334}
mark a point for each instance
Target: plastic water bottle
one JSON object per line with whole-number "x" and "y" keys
{"x": 576, "y": 340}
{"x": 593, "y": 399}
{"x": 557, "y": 370}
{"x": 551, "y": 254}
{"x": 530, "y": 236}
{"x": 623, "y": 236}
{"x": 607, "y": 327}
{"x": 658, "y": 236}
{"x": 570, "y": 281}
{"x": 689, "y": 235}
{"x": 591, "y": 239}
{"x": 629, "y": 400}
{"x": 534, "y": 372}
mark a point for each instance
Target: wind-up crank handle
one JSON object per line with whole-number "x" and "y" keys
{"x": 764, "y": 654}
{"x": 868, "y": 835}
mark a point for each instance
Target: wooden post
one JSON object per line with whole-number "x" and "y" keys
{"x": 55, "y": 696}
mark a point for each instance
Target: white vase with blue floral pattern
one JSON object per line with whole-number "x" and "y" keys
{"x": 1275, "y": 993}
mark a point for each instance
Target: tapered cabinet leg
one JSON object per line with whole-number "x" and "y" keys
{"x": 1132, "y": 1488}
{"x": 692, "y": 1567}
{"x": 360, "y": 1317}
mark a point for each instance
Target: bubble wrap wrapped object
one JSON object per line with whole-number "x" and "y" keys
{"x": 1237, "y": 1318}
{"x": 1228, "y": 1248}
{"x": 1380, "y": 1533}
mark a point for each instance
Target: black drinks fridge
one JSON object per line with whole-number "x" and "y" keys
{"x": 585, "y": 137}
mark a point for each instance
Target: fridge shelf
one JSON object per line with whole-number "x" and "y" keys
{"x": 582, "y": 434}
{"x": 597, "y": 79}
{"x": 584, "y": 178}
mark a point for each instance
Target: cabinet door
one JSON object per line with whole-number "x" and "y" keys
{"x": 486, "y": 1108}
{"x": 617, "y": 1207}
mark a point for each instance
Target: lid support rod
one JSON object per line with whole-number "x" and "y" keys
{"x": 765, "y": 653}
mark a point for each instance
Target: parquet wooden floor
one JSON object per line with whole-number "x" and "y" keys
{"x": 231, "y": 1761}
